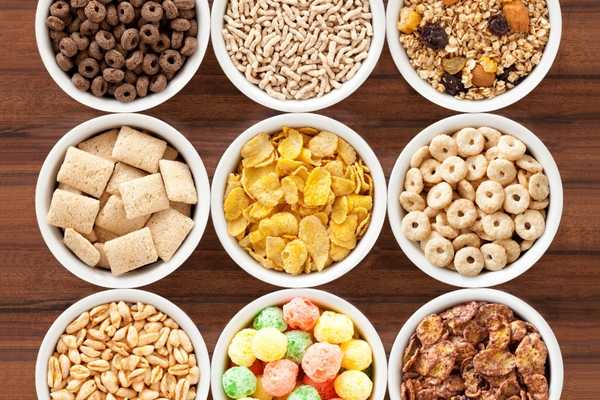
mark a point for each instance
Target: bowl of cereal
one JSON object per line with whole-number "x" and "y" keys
{"x": 119, "y": 342}
{"x": 118, "y": 200}
{"x": 473, "y": 56}
{"x": 475, "y": 200}
{"x": 124, "y": 57}
{"x": 482, "y": 343}
{"x": 301, "y": 344}
{"x": 298, "y": 200}
{"x": 298, "y": 57}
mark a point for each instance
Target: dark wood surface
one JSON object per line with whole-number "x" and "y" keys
{"x": 564, "y": 286}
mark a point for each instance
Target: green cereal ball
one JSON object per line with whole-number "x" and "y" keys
{"x": 298, "y": 342}
{"x": 270, "y": 317}
{"x": 304, "y": 392}
{"x": 238, "y": 382}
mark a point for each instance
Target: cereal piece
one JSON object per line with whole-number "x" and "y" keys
{"x": 537, "y": 384}
{"x": 498, "y": 225}
{"x": 353, "y": 385}
{"x": 411, "y": 201}
{"x": 325, "y": 389}
{"x": 442, "y": 147}
{"x": 501, "y": 171}
{"x": 489, "y": 196}
{"x": 441, "y": 225}
{"x": 429, "y": 330}
{"x": 430, "y": 171}
{"x": 439, "y": 251}
{"x": 494, "y": 362}
{"x": 511, "y": 148}
{"x": 493, "y": 154}
{"x": 333, "y": 328}
{"x": 470, "y": 142}
{"x": 240, "y": 348}
{"x": 531, "y": 355}
{"x": 469, "y": 261}
{"x": 439, "y": 196}
{"x": 322, "y": 361}
{"x": 513, "y": 250}
{"x": 100, "y": 145}
{"x": 279, "y": 377}
{"x": 122, "y": 173}
{"x": 169, "y": 229}
{"x": 419, "y": 157}
{"x": 313, "y": 233}
{"x": 301, "y": 313}
{"x": 465, "y": 190}
{"x": 409, "y": 20}
{"x": 453, "y": 169}
{"x": 112, "y": 218}
{"x": 494, "y": 256}
{"x": 413, "y": 181}
{"x": 170, "y": 154}
{"x": 131, "y": 251}
{"x": 529, "y": 164}
{"x": 538, "y": 205}
{"x": 304, "y": 392}
{"x": 476, "y": 167}
{"x": 466, "y": 239}
{"x": 68, "y": 188}
{"x": 357, "y": 355}
{"x": 85, "y": 171}
{"x": 298, "y": 342}
{"x": 269, "y": 344}
{"x": 416, "y": 226}
{"x": 81, "y": 247}
{"x": 70, "y": 210}
{"x": 539, "y": 188}
{"x": 491, "y": 136}
{"x": 238, "y": 382}
{"x": 270, "y": 317}
{"x": 294, "y": 256}
{"x": 104, "y": 235}
{"x": 516, "y": 199}
{"x": 138, "y": 149}
{"x": 143, "y": 196}
{"x": 324, "y": 144}
{"x": 178, "y": 181}
{"x": 461, "y": 213}
{"x": 530, "y": 225}
{"x": 526, "y": 244}
{"x": 185, "y": 209}
{"x": 103, "y": 262}
{"x": 316, "y": 188}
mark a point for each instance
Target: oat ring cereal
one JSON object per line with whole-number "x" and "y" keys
{"x": 475, "y": 200}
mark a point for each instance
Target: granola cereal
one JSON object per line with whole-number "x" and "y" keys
{"x": 474, "y": 49}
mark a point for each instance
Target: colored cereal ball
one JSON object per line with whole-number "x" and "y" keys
{"x": 322, "y": 361}
{"x": 298, "y": 342}
{"x": 240, "y": 348}
{"x": 353, "y": 385}
{"x": 257, "y": 367}
{"x": 279, "y": 377}
{"x": 325, "y": 389}
{"x": 270, "y": 317}
{"x": 357, "y": 354}
{"x": 238, "y": 382}
{"x": 261, "y": 393}
{"x": 304, "y": 392}
{"x": 301, "y": 313}
{"x": 269, "y": 344}
{"x": 334, "y": 328}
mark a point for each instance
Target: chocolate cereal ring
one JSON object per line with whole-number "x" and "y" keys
{"x": 158, "y": 83}
{"x": 60, "y": 9}
{"x": 469, "y": 261}
{"x": 88, "y": 27}
{"x": 180, "y": 24}
{"x": 55, "y": 23}
{"x": 530, "y": 225}
{"x": 99, "y": 86}
{"x": 150, "y": 64}
{"x": 177, "y": 40}
{"x": 185, "y": 4}
{"x": 126, "y": 12}
{"x": 81, "y": 42}
{"x": 80, "y": 82}
{"x": 439, "y": 196}
{"x": 130, "y": 39}
{"x": 416, "y": 225}
{"x": 114, "y": 59}
{"x": 95, "y": 51}
{"x": 89, "y": 68}
{"x": 149, "y": 34}
{"x": 470, "y": 142}
{"x": 170, "y": 61}
{"x": 189, "y": 46}
{"x": 78, "y": 3}
{"x": 439, "y": 251}
{"x": 511, "y": 148}
{"x": 498, "y": 225}
{"x": 170, "y": 9}
{"x": 494, "y": 256}
{"x": 429, "y": 171}
{"x": 461, "y": 214}
{"x": 413, "y": 181}
{"x": 501, "y": 171}
{"x": 95, "y": 11}
{"x": 64, "y": 62}
{"x": 105, "y": 40}
{"x": 442, "y": 147}
{"x": 68, "y": 47}
{"x": 489, "y": 196}
{"x": 411, "y": 201}
{"x": 476, "y": 167}
{"x": 453, "y": 169}
{"x": 419, "y": 156}
{"x": 134, "y": 60}
{"x": 516, "y": 199}
{"x": 141, "y": 86}
{"x": 125, "y": 93}
{"x": 162, "y": 44}
{"x": 113, "y": 75}
{"x": 152, "y": 11}
{"x": 538, "y": 186}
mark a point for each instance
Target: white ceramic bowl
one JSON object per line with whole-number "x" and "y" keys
{"x": 231, "y": 158}
{"x": 448, "y": 300}
{"x": 527, "y": 259}
{"x": 127, "y": 295}
{"x": 46, "y": 184}
{"x": 107, "y": 104}
{"x": 450, "y": 102}
{"x": 335, "y": 96}
{"x": 325, "y": 300}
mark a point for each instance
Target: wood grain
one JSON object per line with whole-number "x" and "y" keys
{"x": 564, "y": 286}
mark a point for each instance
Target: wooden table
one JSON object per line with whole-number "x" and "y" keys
{"x": 564, "y": 286}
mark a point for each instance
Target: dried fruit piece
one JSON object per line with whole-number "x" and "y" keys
{"x": 498, "y": 25}
{"x": 452, "y": 84}
{"x": 449, "y": 2}
{"x": 409, "y": 20}
{"x": 517, "y": 16}
{"x": 434, "y": 36}
{"x": 454, "y": 65}
{"x": 488, "y": 64}
{"x": 481, "y": 78}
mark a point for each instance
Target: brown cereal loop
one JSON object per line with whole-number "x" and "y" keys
{"x": 78, "y": 3}
{"x": 95, "y": 51}
{"x": 60, "y": 9}
{"x": 530, "y": 225}
{"x": 529, "y": 164}
{"x": 516, "y": 199}
{"x": 170, "y": 61}
{"x": 81, "y": 42}
{"x": 125, "y": 93}
{"x": 135, "y": 59}
{"x": 413, "y": 181}
{"x": 491, "y": 136}
{"x": 113, "y": 75}
{"x": 150, "y": 64}
{"x": 498, "y": 225}
{"x": 80, "y": 82}
{"x": 416, "y": 226}
{"x": 141, "y": 86}
{"x": 114, "y": 59}
{"x": 162, "y": 44}
{"x": 177, "y": 39}
{"x": 126, "y": 12}
{"x": 453, "y": 169}
{"x": 187, "y": 14}
{"x": 466, "y": 239}
{"x": 439, "y": 251}
{"x": 469, "y": 261}
{"x": 105, "y": 40}
{"x": 130, "y": 39}
{"x": 88, "y": 27}
{"x": 461, "y": 214}
{"x": 149, "y": 34}
{"x": 55, "y": 23}
{"x": 189, "y": 46}
{"x": 511, "y": 148}
{"x": 170, "y": 9}
{"x": 67, "y": 47}
{"x": 465, "y": 190}
{"x": 439, "y": 196}
{"x": 89, "y": 68}
{"x": 112, "y": 16}
{"x": 494, "y": 256}
{"x": 442, "y": 147}
{"x": 476, "y": 167}
{"x": 118, "y": 32}
{"x": 429, "y": 171}
{"x": 185, "y": 4}
{"x": 411, "y": 201}
{"x": 180, "y": 24}
{"x": 95, "y": 11}
{"x": 513, "y": 250}
{"x": 158, "y": 83}
{"x": 539, "y": 188}
{"x": 489, "y": 196}
{"x": 64, "y": 62}
{"x": 152, "y": 11}
{"x": 99, "y": 86}
{"x": 419, "y": 156}
{"x": 470, "y": 142}
{"x": 501, "y": 171}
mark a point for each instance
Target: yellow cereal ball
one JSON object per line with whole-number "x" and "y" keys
{"x": 260, "y": 393}
{"x": 240, "y": 348}
{"x": 333, "y": 328}
{"x": 357, "y": 355}
{"x": 353, "y": 385}
{"x": 269, "y": 344}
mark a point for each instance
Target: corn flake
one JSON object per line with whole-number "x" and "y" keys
{"x": 317, "y": 187}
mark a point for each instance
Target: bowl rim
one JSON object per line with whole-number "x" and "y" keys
{"x": 534, "y": 146}
{"x": 180, "y": 80}
{"x": 230, "y": 159}
{"x": 321, "y": 298}
{"x": 447, "y": 300}
{"x": 129, "y": 295}
{"x": 259, "y": 96}
{"x": 47, "y": 178}
{"x": 451, "y": 103}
